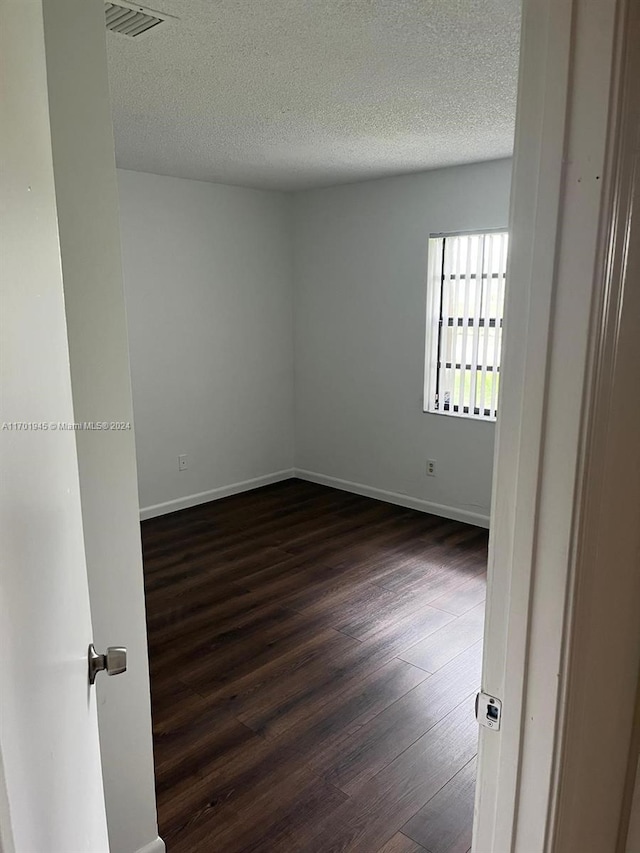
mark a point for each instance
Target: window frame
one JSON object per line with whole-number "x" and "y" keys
{"x": 433, "y": 325}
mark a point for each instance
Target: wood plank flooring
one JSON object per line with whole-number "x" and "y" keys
{"x": 314, "y": 657}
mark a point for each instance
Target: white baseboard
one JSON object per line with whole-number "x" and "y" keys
{"x": 476, "y": 518}
{"x": 155, "y": 846}
{"x": 454, "y": 513}
{"x": 214, "y": 494}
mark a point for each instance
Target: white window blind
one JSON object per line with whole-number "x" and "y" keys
{"x": 465, "y": 306}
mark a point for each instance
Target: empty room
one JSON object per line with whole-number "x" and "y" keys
{"x": 319, "y": 461}
{"x": 314, "y": 203}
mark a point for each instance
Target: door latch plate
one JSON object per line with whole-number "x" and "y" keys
{"x": 488, "y": 711}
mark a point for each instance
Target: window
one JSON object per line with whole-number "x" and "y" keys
{"x": 465, "y": 305}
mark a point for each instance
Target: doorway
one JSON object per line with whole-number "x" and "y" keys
{"x": 543, "y": 376}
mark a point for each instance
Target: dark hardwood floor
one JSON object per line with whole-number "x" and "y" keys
{"x": 314, "y": 658}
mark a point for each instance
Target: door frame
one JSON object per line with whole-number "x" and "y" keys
{"x": 576, "y": 137}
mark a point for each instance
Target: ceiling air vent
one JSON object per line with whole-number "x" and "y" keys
{"x": 131, "y": 21}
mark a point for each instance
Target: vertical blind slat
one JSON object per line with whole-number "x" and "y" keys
{"x": 477, "y": 312}
{"x": 463, "y": 400}
{"x": 445, "y": 350}
{"x": 444, "y": 310}
{"x": 452, "y": 330}
{"x": 489, "y": 336}
{"x": 499, "y": 314}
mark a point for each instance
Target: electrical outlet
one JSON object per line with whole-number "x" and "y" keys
{"x": 183, "y": 464}
{"x": 431, "y": 467}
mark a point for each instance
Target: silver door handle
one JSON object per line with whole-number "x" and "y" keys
{"x": 113, "y": 662}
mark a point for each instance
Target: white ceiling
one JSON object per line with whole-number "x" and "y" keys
{"x": 291, "y": 94}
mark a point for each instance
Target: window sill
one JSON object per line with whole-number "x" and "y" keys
{"x": 484, "y": 419}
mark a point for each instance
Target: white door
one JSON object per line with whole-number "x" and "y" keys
{"x": 51, "y": 792}
{"x": 66, "y": 360}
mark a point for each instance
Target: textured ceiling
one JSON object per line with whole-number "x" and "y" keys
{"x": 291, "y": 94}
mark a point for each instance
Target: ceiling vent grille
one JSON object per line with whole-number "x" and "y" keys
{"x": 131, "y": 21}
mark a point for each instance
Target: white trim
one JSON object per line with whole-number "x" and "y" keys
{"x": 155, "y": 846}
{"x": 559, "y": 171}
{"x": 214, "y": 494}
{"x": 7, "y": 844}
{"x": 533, "y": 226}
{"x": 633, "y": 833}
{"x": 476, "y": 518}
{"x": 452, "y": 512}
{"x": 596, "y": 765}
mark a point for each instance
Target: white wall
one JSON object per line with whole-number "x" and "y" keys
{"x": 209, "y": 301}
{"x": 360, "y": 278}
{"x": 213, "y": 275}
